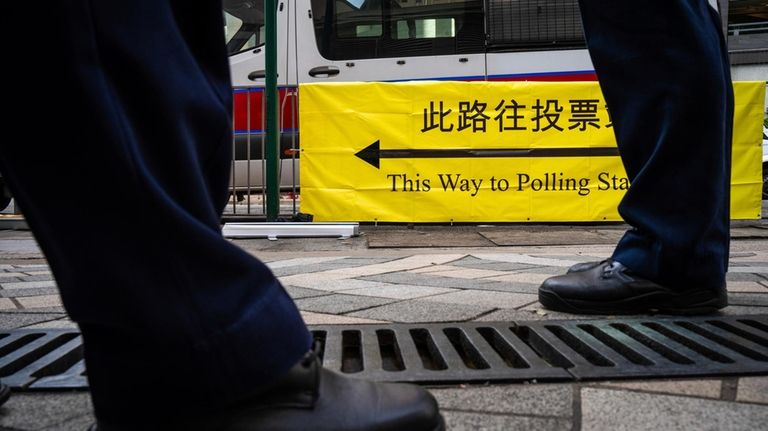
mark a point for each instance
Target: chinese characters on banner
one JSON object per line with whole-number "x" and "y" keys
{"x": 509, "y": 115}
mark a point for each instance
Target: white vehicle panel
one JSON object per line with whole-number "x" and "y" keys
{"x": 538, "y": 63}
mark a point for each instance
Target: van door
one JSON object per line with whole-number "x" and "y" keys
{"x": 390, "y": 40}
{"x": 245, "y": 36}
{"x": 244, "y": 27}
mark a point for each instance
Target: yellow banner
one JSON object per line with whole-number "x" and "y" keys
{"x": 482, "y": 152}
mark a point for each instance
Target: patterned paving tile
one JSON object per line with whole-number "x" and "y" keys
{"x": 697, "y": 388}
{"x": 535, "y": 400}
{"x": 311, "y": 318}
{"x": 748, "y": 299}
{"x": 399, "y": 291}
{"x": 314, "y": 280}
{"x": 473, "y": 262}
{"x": 747, "y": 287}
{"x": 522, "y": 277}
{"x": 471, "y": 273}
{"x": 28, "y": 284}
{"x": 485, "y": 298}
{"x": 407, "y": 263}
{"x": 524, "y": 258}
{"x": 44, "y": 301}
{"x": 301, "y": 292}
{"x": 753, "y": 390}
{"x": 425, "y": 280}
{"x": 464, "y": 421}
{"x": 434, "y": 269}
{"x": 420, "y": 311}
{"x": 338, "y": 304}
{"x": 624, "y": 410}
{"x": 302, "y": 261}
{"x": 749, "y": 269}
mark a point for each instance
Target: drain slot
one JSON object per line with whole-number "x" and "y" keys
{"x": 723, "y": 341}
{"x": 740, "y": 332}
{"x": 652, "y": 344}
{"x": 579, "y": 346}
{"x": 391, "y": 357}
{"x": 468, "y": 353}
{"x": 687, "y": 342}
{"x": 62, "y": 364}
{"x": 431, "y": 358}
{"x": 351, "y": 352}
{"x": 36, "y": 354}
{"x": 755, "y": 324}
{"x": 503, "y": 348}
{"x": 541, "y": 347}
{"x": 616, "y": 345}
{"x": 18, "y": 343}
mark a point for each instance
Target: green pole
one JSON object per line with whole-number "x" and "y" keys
{"x": 270, "y": 92}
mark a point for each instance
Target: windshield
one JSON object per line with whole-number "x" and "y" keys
{"x": 243, "y": 24}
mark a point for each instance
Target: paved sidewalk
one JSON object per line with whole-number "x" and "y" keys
{"x": 347, "y": 282}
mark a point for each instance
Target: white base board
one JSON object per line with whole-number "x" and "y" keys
{"x": 273, "y": 231}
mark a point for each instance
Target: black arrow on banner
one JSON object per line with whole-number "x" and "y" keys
{"x": 372, "y": 154}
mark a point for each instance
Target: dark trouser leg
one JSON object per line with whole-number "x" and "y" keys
{"x": 663, "y": 68}
{"x": 126, "y": 110}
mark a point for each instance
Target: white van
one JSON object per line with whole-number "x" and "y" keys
{"x": 391, "y": 40}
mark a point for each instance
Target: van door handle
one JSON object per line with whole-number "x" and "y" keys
{"x": 324, "y": 70}
{"x": 257, "y": 74}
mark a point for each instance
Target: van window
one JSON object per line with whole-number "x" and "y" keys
{"x": 424, "y": 28}
{"x": 359, "y": 29}
{"x": 243, "y": 24}
{"x": 515, "y": 25}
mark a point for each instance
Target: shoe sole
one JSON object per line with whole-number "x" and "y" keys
{"x": 685, "y": 303}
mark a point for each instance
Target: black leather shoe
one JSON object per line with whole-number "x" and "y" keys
{"x": 611, "y": 288}
{"x": 311, "y": 397}
{"x": 585, "y": 266}
{"x": 5, "y": 393}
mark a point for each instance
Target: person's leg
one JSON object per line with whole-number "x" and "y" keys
{"x": 182, "y": 329}
{"x": 663, "y": 68}
{"x": 121, "y": 182}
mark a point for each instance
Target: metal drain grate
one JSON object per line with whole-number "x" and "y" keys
{"x": 469, "y": 352}
{"x": 46, "y": 359}
{"x": 570, "y": 350}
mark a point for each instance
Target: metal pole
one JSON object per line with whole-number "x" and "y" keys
{"x": 234, "y": 158}
{"x": 248, "y": 151}
{"x": 270, "y": 93}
